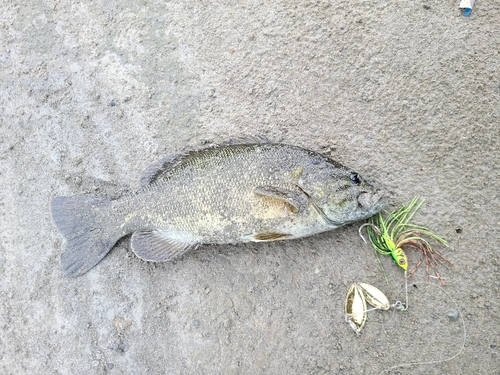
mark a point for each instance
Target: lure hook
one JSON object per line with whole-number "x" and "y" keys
{"x": 374, "y": 227}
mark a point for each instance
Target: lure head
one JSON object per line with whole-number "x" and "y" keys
{"x": 400, "y": 258}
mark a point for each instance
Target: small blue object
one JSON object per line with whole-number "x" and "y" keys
{"x": 467, "y": 6}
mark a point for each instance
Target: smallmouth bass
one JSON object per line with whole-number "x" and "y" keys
{"x": 222, "y": 195}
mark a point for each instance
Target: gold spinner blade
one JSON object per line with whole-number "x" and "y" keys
{"x": 374, "y": 296}
{"x": 355, "y": 308}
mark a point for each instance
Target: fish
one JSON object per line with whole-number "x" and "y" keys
{"x": 227, "y": 194}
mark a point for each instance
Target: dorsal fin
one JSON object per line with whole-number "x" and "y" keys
{"x": 156, "y": 169}
{"x": 247, "y": 140}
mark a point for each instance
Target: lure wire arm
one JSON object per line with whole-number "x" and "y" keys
{"x": 398, "y": 305}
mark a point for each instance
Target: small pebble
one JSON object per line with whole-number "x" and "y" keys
{"x": 427, "y": 6}
{"x": 112, "y": 103}
{"x": 118, "y": 346}
{"x": 453, "y": 314}
{"x": 493, "y": 346}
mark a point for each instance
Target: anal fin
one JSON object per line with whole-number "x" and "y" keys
{"x": 157, "y": 246}
{"x": 267, "y": 237}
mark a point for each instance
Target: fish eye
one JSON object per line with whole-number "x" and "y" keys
{"x": 355, "y": 178}
{"x": 402, "y": 261}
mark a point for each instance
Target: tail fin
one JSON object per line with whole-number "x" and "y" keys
{"x": 81, "y": 220}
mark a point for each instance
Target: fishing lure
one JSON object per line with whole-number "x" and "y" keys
{"x": 355, "y": 308}
{"x": 355, "y": 313}
{"x": 374, "y": 296}
{"x": 389, "y": 236}
{"x": 355, "y": 305}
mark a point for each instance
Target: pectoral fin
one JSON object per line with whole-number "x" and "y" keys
{"x": 294, "y": 199}
{"x": 157, "y": 246}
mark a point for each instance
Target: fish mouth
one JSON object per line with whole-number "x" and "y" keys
{"x": 371, "y": 202}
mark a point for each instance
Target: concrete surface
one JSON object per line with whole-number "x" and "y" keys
{"x": 405, "y": 92}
